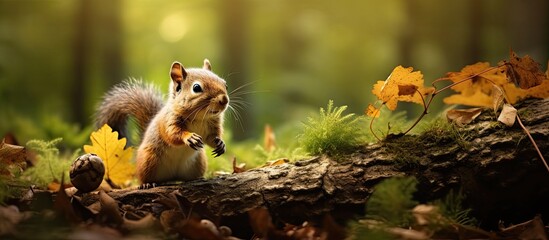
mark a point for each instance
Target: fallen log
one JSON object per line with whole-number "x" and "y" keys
{"x": 495, "y": 166}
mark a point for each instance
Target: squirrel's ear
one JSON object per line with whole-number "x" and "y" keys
{"x": 207, "y": 64}
{"x": 178, "y": 73}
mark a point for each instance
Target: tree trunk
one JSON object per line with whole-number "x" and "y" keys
{"x": 496, "y": 167}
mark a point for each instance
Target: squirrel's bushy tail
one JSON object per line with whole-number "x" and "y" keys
{"x": 129, "y": 98}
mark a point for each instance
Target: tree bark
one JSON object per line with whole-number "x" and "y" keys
{"x": 496, "y": 167}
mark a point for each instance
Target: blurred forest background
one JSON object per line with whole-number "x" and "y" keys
{"x": 58, "y": 57}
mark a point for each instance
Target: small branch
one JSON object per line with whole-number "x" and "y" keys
{"x": 425, "y": 108}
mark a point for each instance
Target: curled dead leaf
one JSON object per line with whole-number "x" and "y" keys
{"x": 463, "y": 116}
{"x": 508, "y": 115}
{"x": 238, "y": 168}
{"x": 109, "y": 212}
{"x": 497, "y": 97}
{"x": 10, "y": 154}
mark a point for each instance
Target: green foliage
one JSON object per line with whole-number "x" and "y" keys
{"x": 48, "y": 126}
{"x": 387, "y": 122}
{"x": 451, "y": 207}
{"x": 331, "y": 132}
{"x": 392, "y": 201}
{"x": 50, "y": 165}
{"x": 253, "y": 154}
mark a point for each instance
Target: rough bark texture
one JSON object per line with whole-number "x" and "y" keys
{"x": 495, "y": 166}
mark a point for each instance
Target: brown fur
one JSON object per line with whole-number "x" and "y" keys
{"x": 171, "y": 147}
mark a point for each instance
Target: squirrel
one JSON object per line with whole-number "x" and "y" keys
{"x": 174, "y": 132}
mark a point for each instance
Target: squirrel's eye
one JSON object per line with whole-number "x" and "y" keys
{"x": 178, "y": 87}
{"x": 197, "y": 88}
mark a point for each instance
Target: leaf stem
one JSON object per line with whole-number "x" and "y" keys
{"x": 533, "y": 142}
{"x": 425, "y": 108}
{"x": 372, "y": 122}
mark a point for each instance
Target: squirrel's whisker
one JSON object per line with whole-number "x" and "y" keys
{"x": 241, "y": 87}
{"x": 236, "y": 115}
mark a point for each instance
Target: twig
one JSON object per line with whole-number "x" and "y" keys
{"x": 372, "y": 122}
{"x": 533, "y": 142}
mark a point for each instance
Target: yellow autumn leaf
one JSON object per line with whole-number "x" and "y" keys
{"x": 476, "y": 83}
{"x": 372, "y": 111}
{"x": 110, "y": 149}
{"x": 475, "y": 99}
{"x": 482, "y": 78}
{"x": 402, "y": 85}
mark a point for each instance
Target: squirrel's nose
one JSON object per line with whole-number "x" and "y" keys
{"x": 223, "y": 100}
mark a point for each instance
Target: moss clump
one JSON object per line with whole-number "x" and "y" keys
{"x": 437, "y": 135}
{"x": 331, "y": 133}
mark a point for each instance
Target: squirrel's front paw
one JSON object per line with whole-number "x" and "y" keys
{"x": 193, "y": 140}
{"x": 219, "y": 147}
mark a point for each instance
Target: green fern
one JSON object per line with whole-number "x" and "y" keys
{"x": 331, "y": 133}
{"x": 50, "y": 165}
{"x": 451, "y": 207}
{"x": 392, "y": 201}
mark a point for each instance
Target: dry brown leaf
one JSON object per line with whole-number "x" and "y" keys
{"x": 463, "y": 116}
{"x": 11, "y": 154}
{"x": 189, "y": 228}
{"x": 508, "y": 115}
{"x": 109, "y": 212}
{"x": 525, "y": 71}
{"x": 238, "y": 168}
{"x": 276, "y": 162}
{"x": 533, "y": 229}
{"x": 269, "y": 142}
{"x": 146, "y": 222}
{"x": 497, "y": 98}
{"x": 63, "y": 206}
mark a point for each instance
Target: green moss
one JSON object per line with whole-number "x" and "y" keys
{"x": 331, "y": 132}
{"x": 436, "y": 135}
